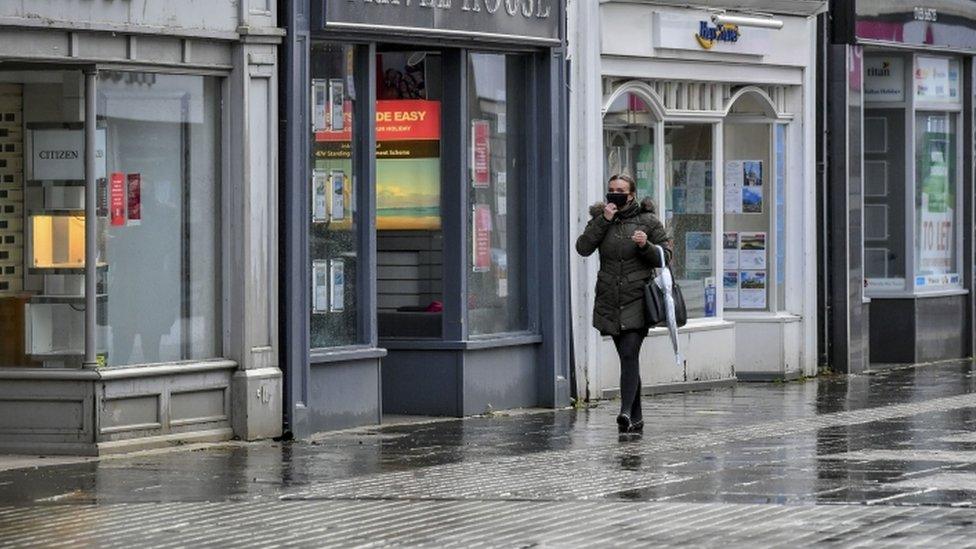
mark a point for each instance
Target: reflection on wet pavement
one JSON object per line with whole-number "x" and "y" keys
{"x": 904, "y": 437}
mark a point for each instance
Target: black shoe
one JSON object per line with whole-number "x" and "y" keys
{"x": 637, "y": 426}
{"x": 623, "y": 423}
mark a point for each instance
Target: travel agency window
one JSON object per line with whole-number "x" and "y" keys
{"x": 912, "y": 173}
{"x": 689, "y": 168}
{"x": 334, "y": 241}
{"x": 497, "y": 300}
{"x": 159, "y": 281}
{"x": 754, "y": 187}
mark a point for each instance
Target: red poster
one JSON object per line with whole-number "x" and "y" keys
{"x": 135, "y": 198}
{"x": 481, "y": 153}
{"x": 482, "y": 238}
{"x": 117, "y": 198}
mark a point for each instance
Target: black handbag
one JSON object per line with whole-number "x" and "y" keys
{"x": 655, "y": 310}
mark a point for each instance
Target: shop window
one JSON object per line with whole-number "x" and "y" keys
{"x": 629, "y": 144}
{"x": 42, "y": 218}
{"x": 409, "y": 235}
{"x": 748, "y": 193}
{"x": 160, "y": 270}
{"x": 333, "y": 237}
{"x": 496, "y": 296}
{"x": 689, "y": 176}
{"x": 936, "y": 200}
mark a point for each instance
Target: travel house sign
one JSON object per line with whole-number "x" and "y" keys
{"x": 534, "y": 21}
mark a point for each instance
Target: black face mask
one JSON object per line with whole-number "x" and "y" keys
{"x": 620, "y": 199}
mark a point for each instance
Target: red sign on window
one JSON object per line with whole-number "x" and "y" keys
{"x": 117, "y": 198}
{"x": 481, "y": 153}
{"x": 482, "y": 238}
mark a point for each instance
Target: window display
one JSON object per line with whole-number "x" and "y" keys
{"x": 496, "y": 297}
{"x": 747, "y": 196}
{"x": 689, "y": 169}
{"x": 936, "y": 209}
{"x": 333, "y": 220}
{"x": 162, "y": 291}
{"x": 42, "y": 219}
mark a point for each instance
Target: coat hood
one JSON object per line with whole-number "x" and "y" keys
{"x": 646, "y": 205}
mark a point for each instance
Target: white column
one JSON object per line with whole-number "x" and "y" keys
{"x": 586, "y": 174}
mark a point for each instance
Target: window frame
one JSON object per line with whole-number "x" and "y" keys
{"x": 911, "y": 107}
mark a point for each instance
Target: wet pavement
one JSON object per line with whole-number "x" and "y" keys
{"x": 888, "y": 457}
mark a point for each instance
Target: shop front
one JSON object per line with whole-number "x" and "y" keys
{"x": 423, "y": 223}
{"x": 901, "y": 86}
{"x": 711, "y": 113}
{"x": 124, "y": 225}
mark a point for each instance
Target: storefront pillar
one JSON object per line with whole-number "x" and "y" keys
{"x": 91, "y": 229}
{"x": 252, "y": 224}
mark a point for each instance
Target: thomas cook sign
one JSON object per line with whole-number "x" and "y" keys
{"x": 494, "y": 20}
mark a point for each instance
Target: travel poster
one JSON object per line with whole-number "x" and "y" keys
{"x": 481, "y": 236}
{"x": 733, "y": 186}
{"x": 698, "y": 251}
{"x": 752, "y": 188}
{"x": 337, "y": 285}
{"x": 730, "y": 251}
{"x": 408, "y": 180}
{"x": 320, "y": 287}
{"x": 752, "y": 289}
{"x": 730, "y": 287}
{"x": 752, "y": 251}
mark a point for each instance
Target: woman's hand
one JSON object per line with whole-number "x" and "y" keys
{"x": 609, "y": 211}
{"x": 639, "y": 238}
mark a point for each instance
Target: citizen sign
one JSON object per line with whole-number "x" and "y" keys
{"x": 525, "y": 21}
{"x": 57, "y": 155}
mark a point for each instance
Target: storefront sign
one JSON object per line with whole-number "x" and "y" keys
{"x": 481, "y": 236}
{"x": 509, "y": 20}
{"x": 481, "y": 153}
{"x": 59, "y": 154}
{"x": 117, "y": 198}
{"x": 884, "y": 79}
{"x": 674, "y": 31}
{"x": 928, "y": 23}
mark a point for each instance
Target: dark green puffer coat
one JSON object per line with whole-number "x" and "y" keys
{"x": 624, "y": 268}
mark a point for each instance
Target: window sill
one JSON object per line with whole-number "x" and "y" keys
{"x": 918, "y": 294}
{"x": 164, "y": 369}
{"x": 780, "y": 317}
{"x": 474, "y": 343}
{"x": 344, "y": 354}
{"x": 695, "y": 325}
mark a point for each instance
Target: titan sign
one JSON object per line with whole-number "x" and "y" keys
{"x": 505, "y": 20}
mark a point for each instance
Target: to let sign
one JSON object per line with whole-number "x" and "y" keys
{"x": 498, "y": 20}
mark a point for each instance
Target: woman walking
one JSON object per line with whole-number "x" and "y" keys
{"x": 625, "y": 232}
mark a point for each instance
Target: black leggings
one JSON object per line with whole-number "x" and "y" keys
{"x": 628, "y": 348}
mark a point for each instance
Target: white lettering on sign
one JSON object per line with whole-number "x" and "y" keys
{"x": 926, "y": 14}
{"x": 539, "y": 9}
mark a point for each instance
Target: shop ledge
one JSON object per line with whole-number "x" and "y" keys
{"x": 471, "y": 344}
{"x": 63, "y": 269}
{"x": 342, "y": 354}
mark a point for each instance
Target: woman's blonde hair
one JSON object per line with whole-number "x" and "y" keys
{"x": 624, "y": 177}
